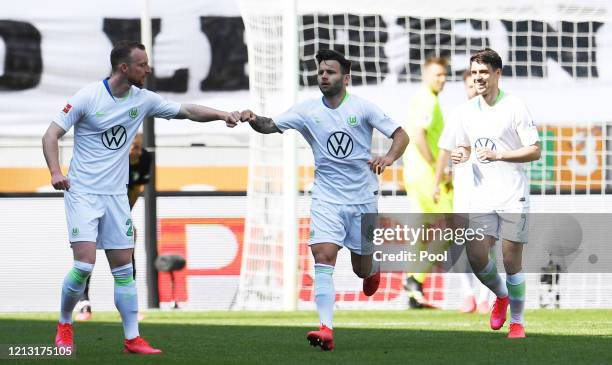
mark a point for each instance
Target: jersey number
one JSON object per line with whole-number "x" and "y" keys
{"x": 130, "y": 231}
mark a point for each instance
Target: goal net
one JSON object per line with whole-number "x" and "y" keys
{"x": 552, "y": 52}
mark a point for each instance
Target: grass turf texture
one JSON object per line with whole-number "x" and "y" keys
{"x": 361, "y": 337}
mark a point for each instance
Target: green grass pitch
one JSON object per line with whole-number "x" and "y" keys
{"x": 555, "y": 337}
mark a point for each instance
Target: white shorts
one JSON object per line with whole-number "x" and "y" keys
{"x": 339, "y": 224}
{"x": 104, "y": 219}
{"x": 511, "y": 225}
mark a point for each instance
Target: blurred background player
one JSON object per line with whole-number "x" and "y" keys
{"x": 499, "y": 127}
{"x": 424, "y": 125}
{"x": 140, "y": 170}
{"x": 139, "y": 175}
{"x": 106, "y": 116}
{"x": 338, "y": 128}
{"x": 461, "y": 175}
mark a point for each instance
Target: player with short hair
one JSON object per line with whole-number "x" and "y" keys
{"x": 461, "y": 181}
{"x": 339, "y": 129}
{"x": 501, "y": 130}
{"x": 106, "y": 115}
{"x": 425, "y": 124}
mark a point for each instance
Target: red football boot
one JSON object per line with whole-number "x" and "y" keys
{"x": 516, "y": 331}
{"x": 323, "y": 338}
{"x": 498, "y": 314}
{"x": 63, "y": 338}
{"x": 138, "y": 345}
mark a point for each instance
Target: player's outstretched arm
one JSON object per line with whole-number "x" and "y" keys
{"x": 203, "y": 114}
{"x": 398, "y": 146}
{"x": 260, "y": 124}
{"x": 50, "y": 145}
{"x": 460, "y": 154}
{"x": 523, "y": 154}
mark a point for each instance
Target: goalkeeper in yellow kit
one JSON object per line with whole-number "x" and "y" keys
{"x": 424, "y": 125}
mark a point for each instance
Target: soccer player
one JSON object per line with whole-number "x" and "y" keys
{"x": 425, "y": 124}
{"x": 461, "y": 176}
{"x": 500, "y": 129}
{"x": 339, "y": 129}
{"x": 139, "y": 175}
{"x": 106, "y": 115}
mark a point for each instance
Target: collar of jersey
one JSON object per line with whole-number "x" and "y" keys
{"x": 500, "y": 96}
{"x": 105, "y": 82}
{"x": 346, "y": 96}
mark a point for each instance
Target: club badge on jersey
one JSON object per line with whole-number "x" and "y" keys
{"x": 485, "y": 143}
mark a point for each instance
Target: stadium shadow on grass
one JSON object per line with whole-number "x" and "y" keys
{"x": 101, "y": 343}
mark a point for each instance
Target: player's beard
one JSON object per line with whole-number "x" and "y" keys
{"x": 138, "y": 83}
{"x": 332, "y": 90}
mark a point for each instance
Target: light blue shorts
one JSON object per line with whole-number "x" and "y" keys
{"x": 104, "y": 219}
{"x": 339, "y": 224}
{"x": 511, "y": 224}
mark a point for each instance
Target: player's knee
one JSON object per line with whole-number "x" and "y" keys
{"x": 77, "y": 277}
{"x": 478, "y": 265}
{"x": 511, "y": 265}
{"x": 477, "y": 261}
{"x": 84, "y": 252}
{"x": 123, "y": 275}
{"x": 85, "y": 267}
{"x": 118, "y": 258}
{"x": 325, "y": 258}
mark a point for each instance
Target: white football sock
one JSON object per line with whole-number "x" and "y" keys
{"x": 126, "y": 299}
{"x": 516, "y": 292}
{"x": 491, "y": 279}
{"x": 72, "y": 289}
{"x": 325, "y": 294}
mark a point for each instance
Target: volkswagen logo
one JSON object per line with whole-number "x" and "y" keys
{"x": 114, "y": 138}
{"x": 340, "y": 145}
{"x": 485, "y": 143}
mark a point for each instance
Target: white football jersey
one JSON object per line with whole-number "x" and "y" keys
{"x": 506, "y": 126}
{"x": 104, "y": 127}
{"x": 341, "y": 140}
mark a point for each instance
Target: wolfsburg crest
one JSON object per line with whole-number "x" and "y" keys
{"x": 133, "y": 113}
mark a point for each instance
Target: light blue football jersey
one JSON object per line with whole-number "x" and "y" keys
{"x": 104, "y": 128}
{"x": 341, "y": 140}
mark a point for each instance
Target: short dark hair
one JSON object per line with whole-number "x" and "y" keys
{"x": 487, "y": 56}
{"x": 121, "y": 52}
{"x": 330, "y": 54}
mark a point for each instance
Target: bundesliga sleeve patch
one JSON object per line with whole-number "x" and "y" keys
{"x": 67, "y": 108}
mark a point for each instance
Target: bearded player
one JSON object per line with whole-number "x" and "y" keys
{"x": 338, "y": 127}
